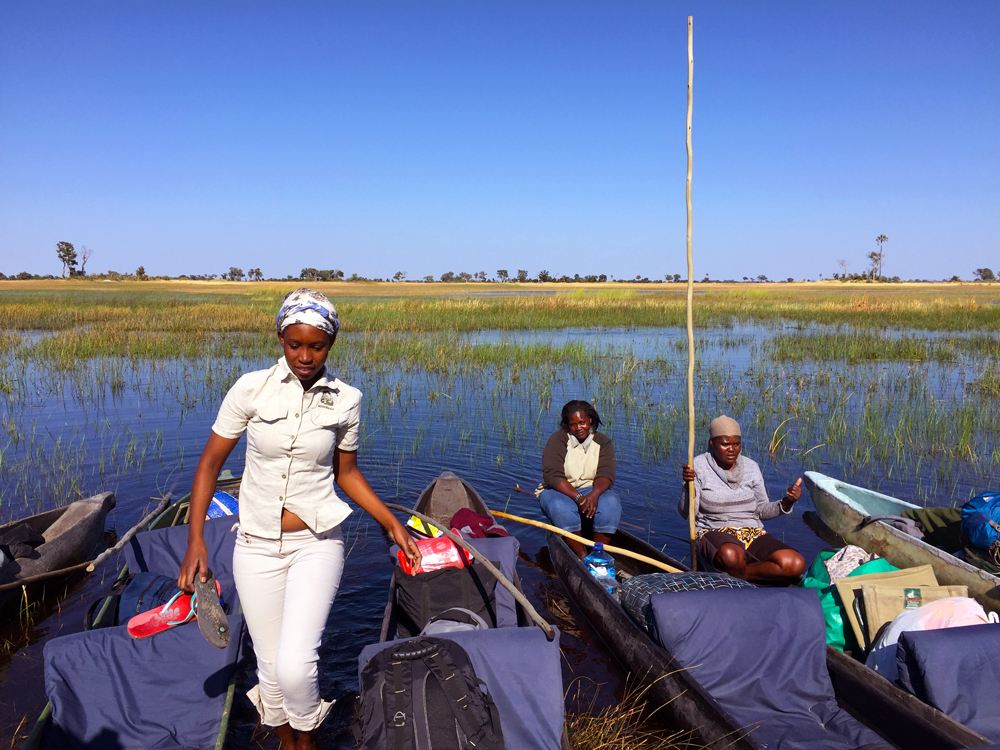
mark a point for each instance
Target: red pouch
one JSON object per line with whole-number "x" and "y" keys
{"x": 435, "y": 554}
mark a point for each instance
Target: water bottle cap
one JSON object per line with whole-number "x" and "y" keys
{"x": 598, "y": 547}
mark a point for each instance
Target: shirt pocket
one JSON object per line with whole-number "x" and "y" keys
{"x": 271, "y": 413}
{"x": 327, "y": 418}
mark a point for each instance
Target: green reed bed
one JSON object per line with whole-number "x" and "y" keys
{"x": 854, "y": 347}
{"x": 864, "y": 346}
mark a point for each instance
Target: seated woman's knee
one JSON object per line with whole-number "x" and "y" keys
{"x": 562, "y": 511}
{"x": 731, "y": 557}
{"x": 792, "y": 564}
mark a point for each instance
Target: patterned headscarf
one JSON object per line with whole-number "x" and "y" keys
{"x": 308, "y": 306}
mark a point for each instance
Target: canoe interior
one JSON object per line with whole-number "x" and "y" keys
{"x": 448, "y": 494}
{"x": 895, "y": 714}
{"x": 865, "y": 501}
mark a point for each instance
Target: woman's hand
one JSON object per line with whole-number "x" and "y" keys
{"x": 195, "y": 562}
{"x": 792, "y": 495}
{"x": 405, "y": 542}
{"x": 588, "y": 505}
{"x": 687, "y": 473}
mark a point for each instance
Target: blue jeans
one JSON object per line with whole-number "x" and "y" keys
{"x": 565, "y": 514}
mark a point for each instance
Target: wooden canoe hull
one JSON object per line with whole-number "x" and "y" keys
{"x": 844, "y": 507}
{"x": 898, "y": 716}
{"x": 72, "y": 535}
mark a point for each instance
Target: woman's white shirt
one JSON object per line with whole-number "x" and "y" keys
{"x": 291, "y": 438}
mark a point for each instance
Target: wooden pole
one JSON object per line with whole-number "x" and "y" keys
{"x": 587, "y": 542}
{"x": 130, "y": 533}
{"x": 692, "y": 510}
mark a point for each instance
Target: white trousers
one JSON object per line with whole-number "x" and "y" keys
{"x": 286, "y": 589}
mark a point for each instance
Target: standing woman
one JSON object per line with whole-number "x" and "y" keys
{"x": 302, "y": 435}
{"x": 578, "y": 469}
{"x": 732, "y": 505}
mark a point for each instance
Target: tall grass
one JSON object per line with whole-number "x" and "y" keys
{"x": 250, "y": 308}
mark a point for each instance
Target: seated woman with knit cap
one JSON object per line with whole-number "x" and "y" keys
{"x": 578, "y": 469}
{"x": 732, "y": 504}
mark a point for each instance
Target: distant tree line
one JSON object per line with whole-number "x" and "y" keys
{"x": 74, "y": 264}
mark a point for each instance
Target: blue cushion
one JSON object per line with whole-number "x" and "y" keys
{"x": 761, "y": 653}
{"x": 956, "y": 670}
{"x": 109, "y": 690}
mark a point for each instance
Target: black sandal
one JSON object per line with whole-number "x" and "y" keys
{"x": 212, "y": 620}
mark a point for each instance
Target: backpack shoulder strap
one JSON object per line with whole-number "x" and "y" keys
{"x": 398, "y": 685}
{"x": 469, "y": 712}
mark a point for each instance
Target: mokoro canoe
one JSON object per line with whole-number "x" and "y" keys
{"x": 175, "y": 514}
{"x": 681, "y": 702}
{"x": 531, "y": 704}
{"x": 846, "y": 507}
{"x": 71, "y": 534}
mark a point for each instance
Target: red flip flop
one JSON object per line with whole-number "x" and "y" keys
{"x": 177, "y": 611}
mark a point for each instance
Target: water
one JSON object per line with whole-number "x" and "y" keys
{"x": 138, "y": 427}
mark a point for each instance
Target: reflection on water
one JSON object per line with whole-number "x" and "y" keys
{"x": 137, "y": 428}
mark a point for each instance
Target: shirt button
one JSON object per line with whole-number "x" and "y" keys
{"x": 281, "y": 497}
{"x": 296, "y": 414}
{"x": 282, "y": 476}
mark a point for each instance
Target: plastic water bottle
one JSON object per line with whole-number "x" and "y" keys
{"x": 601, "y": 566}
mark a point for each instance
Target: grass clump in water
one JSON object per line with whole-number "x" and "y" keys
{"x": 854, "y": 347}
{"x": 987, "y": 385}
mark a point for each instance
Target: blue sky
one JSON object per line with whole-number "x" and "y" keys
{"x": 431, "y": 136}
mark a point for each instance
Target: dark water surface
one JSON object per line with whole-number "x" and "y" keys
{"x": 137, "y": 428}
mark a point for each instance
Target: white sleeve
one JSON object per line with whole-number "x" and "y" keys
{"x": 234, "y": 413}
{"x": 349, "y": 433}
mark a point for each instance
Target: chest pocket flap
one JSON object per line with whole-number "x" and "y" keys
{"x": 271, "y": 412}
{"x": 325, "y": 417}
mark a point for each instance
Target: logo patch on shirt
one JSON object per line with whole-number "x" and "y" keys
{"x": 326, "y": 400}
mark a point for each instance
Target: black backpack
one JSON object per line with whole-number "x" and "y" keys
{"x": 423, "y": 694}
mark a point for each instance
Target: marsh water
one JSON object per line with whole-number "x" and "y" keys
{"x": 923, "y": 430}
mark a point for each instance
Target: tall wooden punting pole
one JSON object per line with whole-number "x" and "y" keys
{"x": 692, "y": 510}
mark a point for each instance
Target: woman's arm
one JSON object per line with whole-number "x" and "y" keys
{"x": 351, "y": 479}
{"x": 216, "y": 451}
